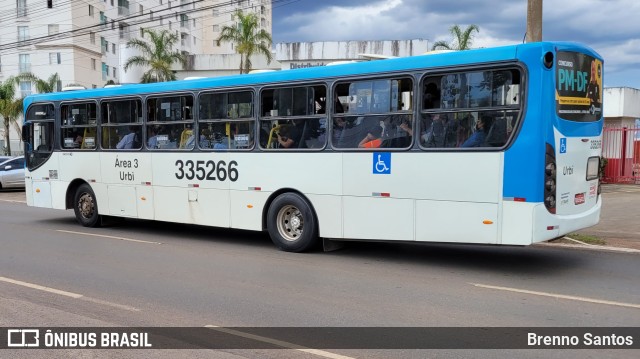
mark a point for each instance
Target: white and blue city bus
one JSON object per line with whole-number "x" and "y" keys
{"x": 490, "y": 146}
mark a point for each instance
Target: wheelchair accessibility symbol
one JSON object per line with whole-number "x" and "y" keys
{"x": 381, "y": 163}
{"x": 563, "y": 145}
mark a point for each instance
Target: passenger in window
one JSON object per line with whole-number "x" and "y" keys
{"x": 373, "y": 139}
{"x": 191, "y": 140}
{"x": 219, "y": 142}
{"x": 441, "y": 133}
{"x": 405, "y": 126}
{"x": 464, "y": 128}
{"x": 431, "y": 96}
{"x": 77, "y": 142}
{"x": 480, "y": 135}
{"x": 284, "y": 139}
{"x": 403, "y": 136}
{"x": 152, "y": 142}
{"x": 339, "y": 127}
{"x": 128, "y": 141}
{"x": 291, "y": 136}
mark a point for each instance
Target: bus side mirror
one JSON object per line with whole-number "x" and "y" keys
{"x": 25, "y": 131}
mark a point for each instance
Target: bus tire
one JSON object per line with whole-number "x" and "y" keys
{"x": 85, "y": 206}
{"x": 291, "y": 223}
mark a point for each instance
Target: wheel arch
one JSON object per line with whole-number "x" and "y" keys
{"x": 274, "y": 195}
{"x": 71, "y": 191}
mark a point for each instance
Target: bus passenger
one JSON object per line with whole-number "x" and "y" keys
{"x": 382, "y": 131}
{"x": 442, "y": 132}
{"x": 284, "y": 140}
{"x": 127, "y": 141}
{"x": 290, "y": 136}
{"x": 480, "y": 135}
{"x": 152, "y": 142}
{"x": 431, "y": 96}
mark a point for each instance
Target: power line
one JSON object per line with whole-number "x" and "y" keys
{"x": 105, "y": 26}
{"x": 139, "y": 22}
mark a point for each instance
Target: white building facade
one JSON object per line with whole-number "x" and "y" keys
{"x": 304, "y": 54}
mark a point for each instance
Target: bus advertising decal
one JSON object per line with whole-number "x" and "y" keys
{"x": 578, "y": 87}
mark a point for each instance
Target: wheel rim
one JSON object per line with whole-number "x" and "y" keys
{"x": 86, "y": 206}
{"x": 290, "y": 223}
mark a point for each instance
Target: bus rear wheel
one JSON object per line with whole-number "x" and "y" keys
{"x": 86, "y": 207}
{"x": 291, "y": 223}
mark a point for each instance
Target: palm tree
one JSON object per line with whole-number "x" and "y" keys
{"x": 42, "y": 86}
{"x": 247, "y": 39}
{"x": 462, "y": 39}
{"x": 156, "y": 54}
{"x": 10, "y": 108}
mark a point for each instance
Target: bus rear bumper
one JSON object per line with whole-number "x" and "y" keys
{"x": 549, "y": 226}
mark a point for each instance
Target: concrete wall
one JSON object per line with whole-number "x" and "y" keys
{"x": 308, "y": 54}
{"x": 621, "y": 102}
{"x": 222, "y": 65}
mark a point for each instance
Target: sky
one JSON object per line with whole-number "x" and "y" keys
{"x": 610, "y": 27}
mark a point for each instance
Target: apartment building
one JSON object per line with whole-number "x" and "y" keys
{"x": 84, "y": 41}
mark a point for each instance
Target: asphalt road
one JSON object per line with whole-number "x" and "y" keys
{"x": 161, "y": 274}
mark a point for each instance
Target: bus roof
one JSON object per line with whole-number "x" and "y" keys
{"x": 494, "y": 54}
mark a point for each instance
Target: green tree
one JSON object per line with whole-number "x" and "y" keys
{"x": 462, "y": 39}
{"x": 42, "y": 86}
{"x": 247, "y": 39}
{"x": 157, "y": 55}
{"x": 10, "y": 108}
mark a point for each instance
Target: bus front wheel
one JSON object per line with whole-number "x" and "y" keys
{"x": 85, "y": 206}
{"x": 291, "y": 223}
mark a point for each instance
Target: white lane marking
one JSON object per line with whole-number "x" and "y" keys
{"x": 115, "y": 305}
{"x": 67, "y": 294}
{"x": 105, "y": 236}
{"x": 559, "y": 296}
{"x": 279, "y": 343}
{"x": 40, "y": 287}
{"x": 12, "y": 201}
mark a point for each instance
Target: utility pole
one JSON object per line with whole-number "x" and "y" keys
{"x": 534, "y": 20}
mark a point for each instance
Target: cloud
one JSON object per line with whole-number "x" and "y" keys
{"x": 610, "y": 27}
{"x": 359, "y": 22}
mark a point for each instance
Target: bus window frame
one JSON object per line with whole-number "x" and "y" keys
{"x": 108, "y": 125}
{"x": 413, "y": 112}
{"x": 59, "y": 126}
{"x": 146, "y": 123}
{"x": 54, "y": 138}
{"x": 251, "y": 118}
{"x": 494, "y": 67}
{"x": 261, "y": 118}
